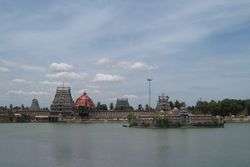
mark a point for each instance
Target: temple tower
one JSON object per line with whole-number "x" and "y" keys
{"x": 63, "y": 101}
{"x": 163, "y": 103}
{"x": 122, "y": 104}
{"x": 34, "y": 105}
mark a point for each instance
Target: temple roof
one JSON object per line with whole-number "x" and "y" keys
{"x": 84, "y": 101}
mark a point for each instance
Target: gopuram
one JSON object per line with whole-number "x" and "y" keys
{"x": 163, "y": 103}
{"x": 122, "y": 104}
{"x": 63, "y": 101}
{"x": 34, "y": 105}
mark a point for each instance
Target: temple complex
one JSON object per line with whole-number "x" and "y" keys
{"x": 34, "y": 105}
{"x": 63, "y": 101}
{"x": 63, "y": 109}
{"x": 122, "y": 104}
{"x": 163, "y": 103}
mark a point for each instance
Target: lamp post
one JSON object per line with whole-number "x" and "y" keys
{"x": 149, "y": 92}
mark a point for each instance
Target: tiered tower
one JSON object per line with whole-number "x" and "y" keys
{"x": 63, "y": 101}
{"x": 163, "y": 103}
{"x": 122, "y": 104}
{"x": 34, "y": 105}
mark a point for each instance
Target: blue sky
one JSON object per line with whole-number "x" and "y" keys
{"x": 192, "y": 49}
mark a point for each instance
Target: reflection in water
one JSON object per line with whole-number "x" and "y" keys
{"x": 108, "y": 145}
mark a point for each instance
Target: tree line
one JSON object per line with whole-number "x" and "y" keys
{"x": 224, "y": 107}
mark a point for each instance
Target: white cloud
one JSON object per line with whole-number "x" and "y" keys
{"x": 141, "y": 66}
{"x": 90, "y": 89}
{"x": 93, "y": 86}
{"x": 60, "y": 67}
{"x": 50, "y": 83}
{"x": 21, "y": 92}
{"x": 18, "y": 65}
{"x": 130, "y": 96}
{"x": 132, "y": 65}
{"x": 82, "y": 91}
{"x": 108, "y": 78}
{"x": 63, "y": 72}
{"x": 4, "y": 69}
{"x": 67, "y": 76}
{"x": 19, "y": 80}
{"x": 38, "y": 93}
{"x": 31, "y": 67}
{"x": 104, "y": 61}
{"x": 96, "y": 91}
{"x": 112, "y": 98}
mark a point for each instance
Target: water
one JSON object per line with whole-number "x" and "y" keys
{"x": 111, "y": 145}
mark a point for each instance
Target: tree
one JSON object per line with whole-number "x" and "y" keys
{"x": 177, "y": 104}
{"x": 214, "y": 107}
{"x": 11, "y": 107}
{"x": 23, "y": 108}
{"x": 83, "y": 111}
{"x": 223, "y": 108}
{"x": 171, "y": 104}
{"x": 111, "y": 106}
{"x": 247, "y": 106}
{"x": 140, "y": 108}
{"x": 131, "y": 119}
{"x": 182, "y": 104}
{"x": 191, "y": 109}
{"x": 98, "y": 106}
{"x": 104, "y": 107}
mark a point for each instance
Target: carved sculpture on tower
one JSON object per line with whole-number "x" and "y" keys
{"x": 63, "y": 101}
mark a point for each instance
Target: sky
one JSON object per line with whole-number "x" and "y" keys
{"x": 191, "y": 49}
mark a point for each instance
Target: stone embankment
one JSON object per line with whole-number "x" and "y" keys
{"x": 239, "y": 119}
{"x": 93, "y": 117}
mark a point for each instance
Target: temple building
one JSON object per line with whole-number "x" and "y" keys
{"x": 34, "y": 105}
{"x": 163, "y": 103}
{"x": 84, "y": 101}
{"x": 122, "y": 104}
{"x": 63, "y": 101}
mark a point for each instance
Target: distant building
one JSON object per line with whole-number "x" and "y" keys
{"x": 122, "y": 104}
{"x": 63, "y": 101}
{"x": 163, "y": 103}
{"x": 34, "y": 105}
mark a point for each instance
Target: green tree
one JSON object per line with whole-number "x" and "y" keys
{"x": 171, "y": 104}
{"x": 98, "y": 106}
{"x": 11, "y": 107}
{"x": 103, "y": 107}
{"x": 247, "y": 106}
{"x": 132, "y": 119}
{"x": 140, "y": 108}
{"x": 177, "y": 104}
{"x": 111, "y": 106}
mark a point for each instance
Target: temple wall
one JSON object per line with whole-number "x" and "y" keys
{"x": 115, "y": 114}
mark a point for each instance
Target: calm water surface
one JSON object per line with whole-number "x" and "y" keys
{"x": 111, "y": 145}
